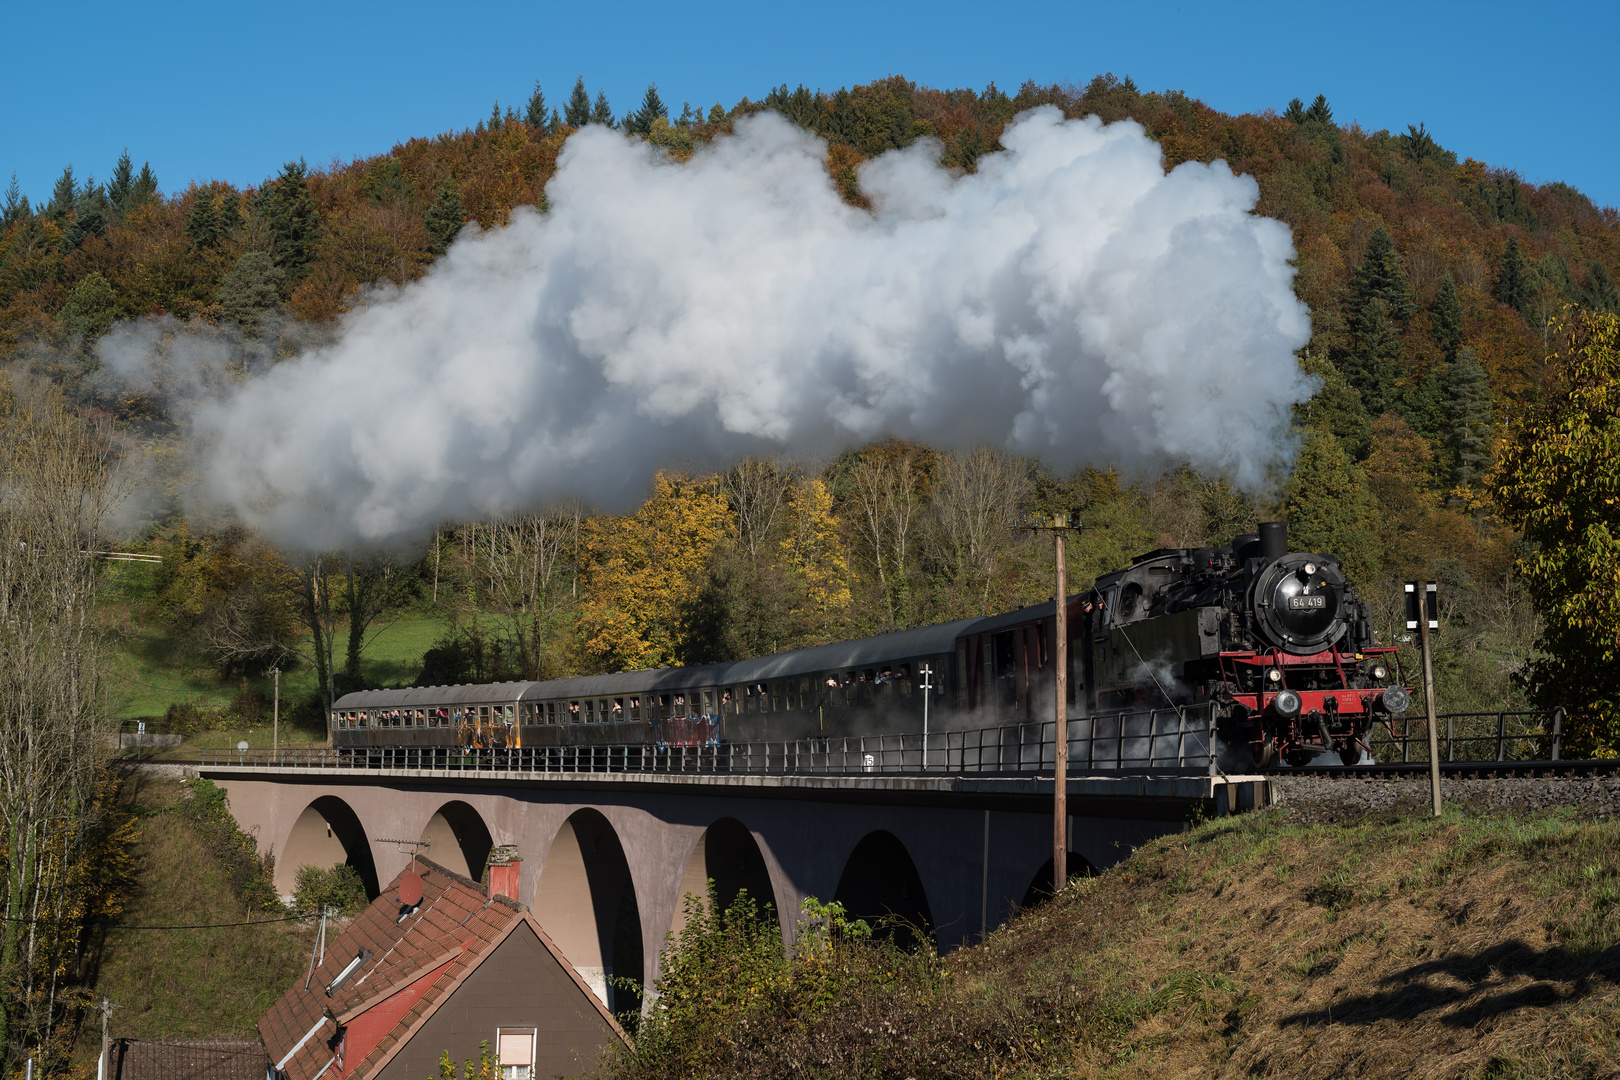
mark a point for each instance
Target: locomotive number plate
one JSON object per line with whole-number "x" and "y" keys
{"x": 1307, "y": 603}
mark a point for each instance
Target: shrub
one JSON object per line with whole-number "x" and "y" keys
{"x": 252, "y": 876}
{"x": 187, "y": 718}
{"x": 338, "y": 887}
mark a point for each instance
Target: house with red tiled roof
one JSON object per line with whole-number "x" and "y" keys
{"x": 439, "y": 964}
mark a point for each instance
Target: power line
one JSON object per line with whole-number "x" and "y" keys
{"x": 197, "y": 926}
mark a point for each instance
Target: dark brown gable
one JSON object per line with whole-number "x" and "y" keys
{"x": 521, "y": 984}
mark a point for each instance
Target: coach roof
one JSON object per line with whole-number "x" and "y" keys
{"x": 419, "y": 697}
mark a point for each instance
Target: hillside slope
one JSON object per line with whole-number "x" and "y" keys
{"x": 1256, "y": 946}
{"x": 190, "y": 983}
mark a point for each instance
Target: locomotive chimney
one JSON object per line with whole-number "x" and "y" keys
{"x": 1273, "y": 539}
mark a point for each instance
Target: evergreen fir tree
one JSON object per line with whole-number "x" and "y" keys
{"x": 445, "y": 218}
{"x": 511, "y": 116}
{"x": 1599, "y": 292}
{"x": 556, "y": 122}
{"x": 601, "y": 112}
{"x": 1319, "y": 110}
{"x": 90, "y": 308}
{"x": 1331, "y": 508}
{"x": 202, "y": 226}
{"x": 652, "y": 107}
{"x": 1380, "y": 276}
{"x": 495, "y": 117}
{"x": 1424, "y": 405}
{"x": 1295, "y": 113}
{"x": 16, "y": 207}
{"x": 90, "y": 213}
{"x": 1512, "y": 287}
{"x": 122, "y": 184}
{"x": 578, "y": 110}
{"x": 535, "y": 114}
{"x": 63, "y": 196}
{"x": 1336, "y": 408}
{"x": 1468, "y": 408}
{"x": 717, "y": 115}
{"x": 250, "y": 291}
{"x": 1445, "y": 319}
{"x": 228, "y": 211}
{"x": 1371, "y": 366}
{"x": 295, "y": 221}
{"x": 146, "y": 187}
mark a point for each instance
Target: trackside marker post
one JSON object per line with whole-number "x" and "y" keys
{"x": 1423, "y": 618}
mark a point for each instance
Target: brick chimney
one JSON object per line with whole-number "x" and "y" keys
{"x": 505, "y": 865}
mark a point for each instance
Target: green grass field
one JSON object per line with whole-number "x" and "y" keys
{"x": 149, "y": 672}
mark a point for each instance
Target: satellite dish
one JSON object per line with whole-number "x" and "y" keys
{"x": 410, "y": 890}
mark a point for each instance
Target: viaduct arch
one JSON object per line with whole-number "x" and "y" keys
{"x": 457, "y": 839}
{"x": 327, "y": 833}
{"x": 727, "y": 854}
{"x": 586, "y": 900}
{"x": 880, "y": 884}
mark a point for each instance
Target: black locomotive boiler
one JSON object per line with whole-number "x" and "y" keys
{"x": 1277, "y": 643}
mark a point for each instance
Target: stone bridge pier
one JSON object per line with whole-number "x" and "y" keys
{"x": 609, "y": 859}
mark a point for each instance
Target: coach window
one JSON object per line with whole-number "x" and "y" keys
{"x": 664, "y": 706}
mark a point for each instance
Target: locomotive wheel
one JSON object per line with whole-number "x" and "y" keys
{"x": 1265, "y": 753}
{"x": 1350, "y": 752}
{"x": 1298, "y": 756}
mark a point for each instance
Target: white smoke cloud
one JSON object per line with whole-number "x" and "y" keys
{"x": 1069, "y": 299}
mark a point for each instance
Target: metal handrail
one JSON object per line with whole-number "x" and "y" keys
{"x": 1163, "y": 741}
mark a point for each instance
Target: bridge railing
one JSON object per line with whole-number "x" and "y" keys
{"x": 1472, "y": 737}
{"x": 1163, "y": 741}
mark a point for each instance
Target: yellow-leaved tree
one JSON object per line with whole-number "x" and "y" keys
{"x": 813, "y": 551}
{"x": 1561, "y": 484}
{"x": 642, "y": 572}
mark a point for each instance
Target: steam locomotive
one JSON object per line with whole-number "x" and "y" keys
{"x": 1277, "y": 643}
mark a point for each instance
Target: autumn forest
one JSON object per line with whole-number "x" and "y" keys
{"x": 1445, "y": 297}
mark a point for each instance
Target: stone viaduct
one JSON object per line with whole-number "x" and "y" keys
{"x": 608, "y": 858}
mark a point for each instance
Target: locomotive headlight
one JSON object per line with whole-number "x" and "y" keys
{"x": 1274, "y": 675}
{"x": 1395, "y": 700}
{"x": 1286, "y": 703}
{"x": 1379, "y": 671}
{"x": 1310, "y": 568}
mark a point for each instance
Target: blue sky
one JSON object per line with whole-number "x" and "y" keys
{"x": 229, "y": 92}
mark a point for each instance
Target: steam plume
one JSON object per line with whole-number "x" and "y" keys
{"x": 1069, "y": 299}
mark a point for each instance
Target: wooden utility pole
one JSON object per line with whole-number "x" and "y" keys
{"x": 1060, "y": 748}
{"x": 275, "y": 711}
{"x": 1058, "y": 524}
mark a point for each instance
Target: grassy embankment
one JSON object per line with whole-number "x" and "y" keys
{"x": 1249, "y": 946}
{"x": 190, "y": 983}
{"x": 151, "y": 671}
